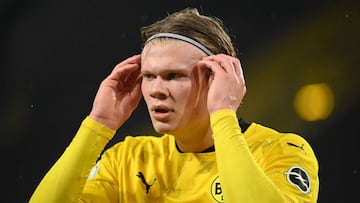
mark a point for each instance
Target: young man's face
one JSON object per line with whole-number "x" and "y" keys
{"x": 174, "y": 88}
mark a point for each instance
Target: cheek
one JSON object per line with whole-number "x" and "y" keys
{"x": 187, "y": 94}
{"x": 183, "y": 89}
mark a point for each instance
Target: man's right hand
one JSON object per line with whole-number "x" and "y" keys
{"x": 119, "y": 94}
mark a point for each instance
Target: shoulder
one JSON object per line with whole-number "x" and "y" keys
{"x": 284, "y": 144}
{"x": 285, "y": 155}
{"x": 260, "y": 133}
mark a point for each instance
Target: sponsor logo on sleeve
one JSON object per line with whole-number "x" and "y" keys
{"x": 298, "y": 177}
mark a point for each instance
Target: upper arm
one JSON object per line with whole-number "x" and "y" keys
{"x": 293, "y": 168}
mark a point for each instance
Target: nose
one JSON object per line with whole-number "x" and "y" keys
{"x": 159, "y": 88}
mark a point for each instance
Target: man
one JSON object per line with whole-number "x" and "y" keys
{"x": 193, "y": 85}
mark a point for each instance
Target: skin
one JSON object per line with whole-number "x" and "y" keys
{"x": 181, "y": 85}
{"x": 175, "y": 97}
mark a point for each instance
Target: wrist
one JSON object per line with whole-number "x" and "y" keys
{"x": 104, "y": 121}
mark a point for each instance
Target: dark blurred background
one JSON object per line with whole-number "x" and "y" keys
{"x": 300, "y": 59}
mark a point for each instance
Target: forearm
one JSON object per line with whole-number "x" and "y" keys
{"x": 65, "y": 180}
{"x": 242, "y": 180}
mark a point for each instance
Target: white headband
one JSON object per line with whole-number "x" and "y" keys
{"x": 180, "y": 37}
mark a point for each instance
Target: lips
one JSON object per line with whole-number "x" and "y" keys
{"x": 161, "y": 112}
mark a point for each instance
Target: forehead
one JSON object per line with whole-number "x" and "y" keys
{"x": 165, "y": 52}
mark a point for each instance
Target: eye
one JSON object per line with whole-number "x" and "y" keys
{"x": 172, "y": 76}
{"x": 148, "y": 76}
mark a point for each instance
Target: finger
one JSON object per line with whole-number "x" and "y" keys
{"x": 217, "y": 70}
{"x": 136, "y": 59}
{"x": 237, "y": 67}
{"x": 236, "y": 70}
{"x": 122, "y": 71}
{"x": 135, "y": 94}
{"x": 213, "y": 70}
{"x": 202, "y": 71}
{"x": 224, "y": 61}
{"x": 229, "y": 64}
{"x": 125, "y": 67}
{"x": 211, "y": 66}
{"x": 132, "y": 78}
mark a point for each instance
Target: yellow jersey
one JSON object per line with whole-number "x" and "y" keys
{"x": 256, "y": 165}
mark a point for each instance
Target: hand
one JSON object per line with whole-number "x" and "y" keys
{"x": 118, "y": 94}
{"x": 226, "y": 82}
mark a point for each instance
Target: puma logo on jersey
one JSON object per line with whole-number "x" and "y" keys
{"x": 294, "y": 145}
{"x": 143, "y": 180}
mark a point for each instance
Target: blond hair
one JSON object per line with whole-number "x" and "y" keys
{"x": 207, "y": 30}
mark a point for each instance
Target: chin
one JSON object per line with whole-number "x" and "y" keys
{"x": 163, "y": 128}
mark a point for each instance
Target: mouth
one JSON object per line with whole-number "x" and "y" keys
{"x": 161, "y": 113}
{"x": 161, "y": 110}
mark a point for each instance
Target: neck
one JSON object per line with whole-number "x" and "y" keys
{"x": 195, "y": 143}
